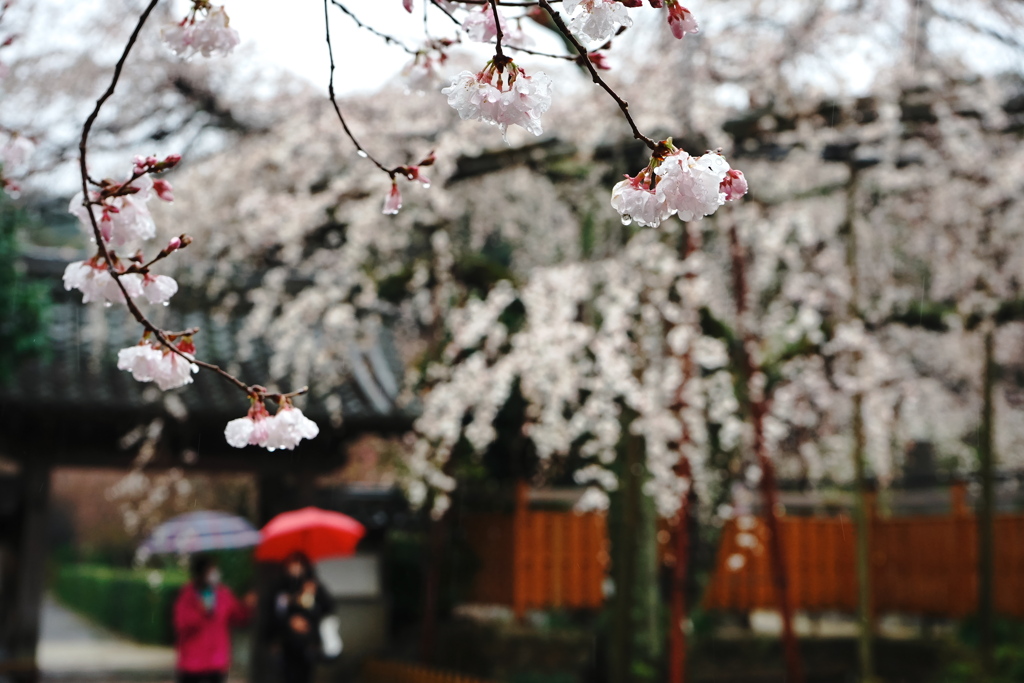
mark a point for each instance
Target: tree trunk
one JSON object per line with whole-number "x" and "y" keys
{"x": 625, "y": 517}
{"x": 986, "y": 508}
{"x": 677, "y": 599}
{"x": 757, "y": 408}
{"x": 865, "y": 635}
{"x": 791, "y": 649}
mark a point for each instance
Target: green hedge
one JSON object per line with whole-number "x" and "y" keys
{"x": 137, "y": 603}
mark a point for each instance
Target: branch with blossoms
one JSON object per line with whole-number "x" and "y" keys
{"x": 15, "y": 148}
{"x": 117, "y": 215}
{"x": 504, "y": 94}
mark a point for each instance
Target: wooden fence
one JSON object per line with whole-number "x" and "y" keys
{"x": 921, "y": 565}
{"x": 376, "y": 671}
{"x": 539, "y": 559}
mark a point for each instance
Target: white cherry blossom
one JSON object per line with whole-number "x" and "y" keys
{"x": 512, "y": 98}
{"x": 635, "y": 202}
{"x": 97, "y": 284}
{"x": 158, "y": 289}
{"x": 595, "y": 21}
{"x": 206, "y": 32}
{"x": 691, "y": 186}
{"x": 479, "y": 27}
{"x": 288, "y": 427}
{"x": 123, "y": 220}
{"x": 251, "y": 430}
{"x": 151, "y": 363}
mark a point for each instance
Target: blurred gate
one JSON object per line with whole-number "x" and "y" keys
{"x": 920, "y": 565}
{"x": 536, "y": 559}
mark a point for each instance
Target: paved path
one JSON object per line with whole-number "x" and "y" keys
{"x": 71, "y": 647}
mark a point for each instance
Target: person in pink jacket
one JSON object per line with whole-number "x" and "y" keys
{"x": 204, "y": 613}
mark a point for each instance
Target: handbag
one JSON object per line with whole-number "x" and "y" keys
{"x": 330, "y": 637}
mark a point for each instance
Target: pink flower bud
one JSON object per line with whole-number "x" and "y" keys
{"x": 657, "y": 4}
{"x": 173, "y": 245}
{"x": 393, "y": 202}
{"x": 598, "y": 60}
{"x": 163, "y": 190}
{"x": 734, "y": 185}
{"x": 407, "y": 4}
{"x": 680, "y": 20}
{"x": 172, "y": 160}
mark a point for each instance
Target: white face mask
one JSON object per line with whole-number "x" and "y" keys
{"x": 213, "y": 578}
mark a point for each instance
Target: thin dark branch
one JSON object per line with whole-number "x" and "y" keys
{"x": 390, "y": 40}
{"x": 596, "y": 77}
{"x": 444, "y": 9}
{"x": 108, "y": 258}
{"x": 499, "y": 55}
{"x": 1003, "y": 38}
{"x": 535, "y": 53}
{"x": 334, "y": 102}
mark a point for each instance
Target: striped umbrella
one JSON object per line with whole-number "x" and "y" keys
{"x": 195, "y": 532}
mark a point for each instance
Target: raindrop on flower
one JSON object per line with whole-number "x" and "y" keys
{"x": 626, "y": 219}
{"x": 362, "y": 153}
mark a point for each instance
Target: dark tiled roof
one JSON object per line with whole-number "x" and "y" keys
{"x": 80, "y": 372}
{"x": 76, "y": 386}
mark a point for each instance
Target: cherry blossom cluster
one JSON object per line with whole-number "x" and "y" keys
{"x": 677, "y": 184}
{"x": 594, "y": 22}
{"x": 121, "y": 212}
{"x": 502, "y": 95}
{"x": 205, "y": 30}
{"x": 577, "y": 376}
{"x": 15, "y": 151}
{"x": 282, "y": 430}
{"x": 150, "y": 362}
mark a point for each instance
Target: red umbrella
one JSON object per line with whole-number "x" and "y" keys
{"x": 315, "y": 532}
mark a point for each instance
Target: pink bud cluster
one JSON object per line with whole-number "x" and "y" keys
{"x": 122, "y": 215}
{"x": 501, "y": 96}
{"x": 205, "y": 30}
{"x": 393, "y": 200}
{"x": 284, "y": 429}
{"x": 677, "y": 184}
{"x": 157, "y": 363}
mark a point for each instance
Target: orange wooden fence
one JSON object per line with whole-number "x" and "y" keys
{"x": 539, "y": 559}
{"x": 922, "y": 565}
{"x": 396, "y": 672}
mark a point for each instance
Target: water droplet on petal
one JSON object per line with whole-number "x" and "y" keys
{"x": 626, "y": 219}
{"x": 107, "y": 304}
{"x": 362, "y": 154}
{"x": 426, "y": 185}
{"x": 167, "y": 303}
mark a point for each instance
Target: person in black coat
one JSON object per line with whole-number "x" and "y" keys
{"x": 300, "y": 603}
